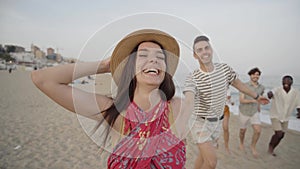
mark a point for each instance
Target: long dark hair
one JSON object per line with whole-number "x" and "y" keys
{"x": 127, "y": 87}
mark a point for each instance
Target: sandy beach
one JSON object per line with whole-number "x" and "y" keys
{"x": 37, "y": 133}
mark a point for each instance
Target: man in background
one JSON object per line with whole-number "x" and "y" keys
{"x": 285, "y": 100}
{"x": 249, "y": 111}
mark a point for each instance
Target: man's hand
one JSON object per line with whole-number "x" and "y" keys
{"x": 270, "y": 94}
{"x": 262, "y": 100}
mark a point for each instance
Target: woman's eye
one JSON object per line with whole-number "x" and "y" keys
{"x": 142, "y": 55}
{"x": 161, "y": 57}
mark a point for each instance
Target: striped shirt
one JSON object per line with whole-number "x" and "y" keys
{"x": 210, "y": 89}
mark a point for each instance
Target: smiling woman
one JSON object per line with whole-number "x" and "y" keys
{"x": 150, "y": 63}
{"x": 142, "y": 113}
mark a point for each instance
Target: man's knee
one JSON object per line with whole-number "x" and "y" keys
{"x": 257, "y": 130}
{"x": 242, "y": 131}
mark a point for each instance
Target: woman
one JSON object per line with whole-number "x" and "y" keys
{"x": 225, "y": 122}
{"x": 142, "y": 65}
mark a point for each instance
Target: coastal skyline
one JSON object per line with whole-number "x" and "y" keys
{"x": 244, "y": 34}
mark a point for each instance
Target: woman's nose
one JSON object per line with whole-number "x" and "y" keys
{"x": 153, "y": 59}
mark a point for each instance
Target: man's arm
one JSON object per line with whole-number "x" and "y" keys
{"x": 244, "y": 89}
{"x": 244, "y": 100}
{"x": 183, "y": 108}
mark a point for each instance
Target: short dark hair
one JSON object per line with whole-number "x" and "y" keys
{"x": 253, "y": 71}
{"x": 200, "y": 38}
{"x": 288, "y": 77}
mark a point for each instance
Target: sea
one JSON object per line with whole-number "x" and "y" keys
{"x": 270, "y": 82}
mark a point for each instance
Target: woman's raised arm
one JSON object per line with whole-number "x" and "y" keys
{"x": 54, "y": 82}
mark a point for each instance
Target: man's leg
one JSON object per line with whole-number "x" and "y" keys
{"x": 279, "y": 128}
{"x": 275, "y": 140}
{"x": 207, "y": 156}
{"x": 199, "y": 160}
{"x": 242, "y": 138}
{"x": 255, "y": 137}
{"x": 243, "y": 128}
{"x": 226, "y": 132}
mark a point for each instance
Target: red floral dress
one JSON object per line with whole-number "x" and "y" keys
{"x": 150, "y": 143}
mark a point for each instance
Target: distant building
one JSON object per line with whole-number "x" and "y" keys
{"x": 2, "y": 49}
{"x": 37, "y": 52}
{"x": 52, "y": 56}
{"x": 50, "y": 51}
{"x": 59, "y": 58}
{"x": 14, "y": 48}
{"x": 34, "y": 48}
{"x": 23, "y": 58}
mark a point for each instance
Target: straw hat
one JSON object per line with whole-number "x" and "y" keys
{"x": 127, "y": 44}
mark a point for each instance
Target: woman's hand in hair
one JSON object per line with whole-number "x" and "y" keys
{"x": 104, "y": 66}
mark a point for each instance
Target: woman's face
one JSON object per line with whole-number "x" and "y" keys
{"x": 150, "y": 64}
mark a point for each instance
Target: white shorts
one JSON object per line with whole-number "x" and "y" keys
{"x": 278, "y": 125}
{"x": 203, "y": 130}
{"x": 244, "y": 120}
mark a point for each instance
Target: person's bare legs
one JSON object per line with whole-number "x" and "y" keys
{"x": 199, "y": 160}
{"x": 226, "y": 133}
{"x": 255, "y": 137}
{"x": 275, "y": 140}
{"x": 242, "y": 138}
{"x": 207, "y": 158}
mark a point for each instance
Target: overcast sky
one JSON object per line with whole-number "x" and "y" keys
{"x": 244, "y": 34}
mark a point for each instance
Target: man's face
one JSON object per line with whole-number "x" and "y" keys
{"x": 287, "y": 83}
{"x": 203, "y": 52}
{"x": 255, "y": 77}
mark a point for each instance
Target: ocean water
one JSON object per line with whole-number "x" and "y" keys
{"x": 269, "y": 82}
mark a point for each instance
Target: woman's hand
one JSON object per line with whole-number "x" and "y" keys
{"x": 104, "y": 66}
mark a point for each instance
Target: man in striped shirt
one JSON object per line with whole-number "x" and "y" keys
{"x": 205, "y": 96}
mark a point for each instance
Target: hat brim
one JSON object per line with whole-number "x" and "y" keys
{"x": 124, "y": 48}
